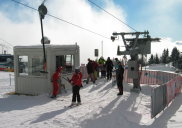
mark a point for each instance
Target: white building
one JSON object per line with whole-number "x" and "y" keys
{"x": 29, "y": 61}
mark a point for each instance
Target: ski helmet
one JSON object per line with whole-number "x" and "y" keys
{"x": 60, "y": 68}
{"x": 77, "y": 69}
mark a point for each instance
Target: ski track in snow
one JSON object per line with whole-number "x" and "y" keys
{"x": 101, "y": 108}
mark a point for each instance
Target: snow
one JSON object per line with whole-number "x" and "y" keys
{"x": 161, "y": 67}
{"x": 101, "y": 108}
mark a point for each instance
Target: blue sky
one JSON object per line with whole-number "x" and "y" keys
{"x": 162, "y": 19}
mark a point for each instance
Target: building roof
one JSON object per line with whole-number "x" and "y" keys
{"x": 47, "y": 46}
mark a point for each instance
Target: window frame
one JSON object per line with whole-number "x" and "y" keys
{"x": 27, "y": 75}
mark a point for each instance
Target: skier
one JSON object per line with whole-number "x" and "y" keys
{"x": 119, "y": 78}
{"x": 116, "y": 65}
{"x": 55, "y": 81}
{"x": 103, "y": 71}
{"x": 96, "y": 68}
{"x": 101, "y": 61}
{"x": 90, "y": 71}
{"x": 76, "y": 82}
{"x": 109, "y": 66}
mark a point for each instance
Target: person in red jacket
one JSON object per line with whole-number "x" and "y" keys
{"x": 55, "y": 81}
{"x": 76, "y": 81}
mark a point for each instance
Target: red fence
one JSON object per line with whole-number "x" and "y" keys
{"x": 173, "y": 88}
{"x": 83, "y": 69}
{"x": 152, "y": 77}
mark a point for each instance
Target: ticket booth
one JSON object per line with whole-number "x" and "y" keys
{"x": 29, "y": 61}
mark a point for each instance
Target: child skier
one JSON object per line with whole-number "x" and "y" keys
{"x": 55, "y": 81}
{"x": 103, "y": 71}
{"x": 76, "y": 82}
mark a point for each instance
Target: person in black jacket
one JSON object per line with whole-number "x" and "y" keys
{"x": 109, "y": 65}
{"x": 90, "y": 71}
{"x": 119, "y": 78}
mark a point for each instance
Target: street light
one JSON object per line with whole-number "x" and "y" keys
{"x": 42, "y": 12}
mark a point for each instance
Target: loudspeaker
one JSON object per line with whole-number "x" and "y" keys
{"x": 96, "y": 52}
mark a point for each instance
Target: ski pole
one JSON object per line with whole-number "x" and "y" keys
{"x": 66, "y": 79}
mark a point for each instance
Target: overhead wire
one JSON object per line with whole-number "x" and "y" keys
{"x": 6, "y": 42}
{"x": 53, "y": 17}
{"x": 63, "y": 20}
{"x": 111, "y": 15}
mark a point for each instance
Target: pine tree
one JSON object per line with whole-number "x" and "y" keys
{"x": 175, "y": 54}
{"x": 163, "y": 57}
{"x": 151, "y": 59}
{"x": 154, "y": 58}
{"x": 180, "y": 61}
{"x": 157, "y": 59}
{"x": 167, "y": 56}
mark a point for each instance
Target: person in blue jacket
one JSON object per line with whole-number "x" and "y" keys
{"x": 116, "y": 60}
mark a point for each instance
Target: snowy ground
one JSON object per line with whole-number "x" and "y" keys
{"x": 101, "y": 108}
{"x": 161, "y": 67}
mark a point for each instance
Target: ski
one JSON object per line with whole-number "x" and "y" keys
{"x": 136, "y": 90}
{"x": 60, "y": 99}
{"x": 71, "y": 106}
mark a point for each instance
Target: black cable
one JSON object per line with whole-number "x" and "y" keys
{"x": 111, "y": 15}
{"x": 6, "y": 42}
{"x": 78, "y": 26}
{"x": 24, "y": 5}
{"x": 63, "y": 20}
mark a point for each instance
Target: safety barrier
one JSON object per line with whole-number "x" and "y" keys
{"x": 158, "y": 100}
{"x": 83, "y": 69}
{"x": 170, "y": 86}
{"x": 173, "y": 88}
{"x": 152, "y": 77}
{"x": 161, "y": 96}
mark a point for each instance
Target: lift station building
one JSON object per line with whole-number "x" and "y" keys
{"x": 29, "y": 61}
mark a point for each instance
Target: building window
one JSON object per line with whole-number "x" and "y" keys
{"x": 31, "y": 65}
{"x": 66, "y": 62}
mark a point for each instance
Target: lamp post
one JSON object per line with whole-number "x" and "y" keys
{"x": 42, "y": 12}
{"x": 102, "y": 48}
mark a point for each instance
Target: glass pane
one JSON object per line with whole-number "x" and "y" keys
{"x": 37, "y": 65}
{"x": 67, "y": 63}
{"x": 31, "y": 65}
{"x": 23, "y": 65}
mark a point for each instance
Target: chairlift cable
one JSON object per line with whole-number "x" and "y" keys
{"x": 112, "y": 15}
{"x": 63, "y": 20}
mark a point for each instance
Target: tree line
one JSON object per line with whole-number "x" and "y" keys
{"x": 174, "y": 57}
